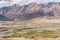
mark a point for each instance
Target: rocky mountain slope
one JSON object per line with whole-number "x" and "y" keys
{"x": 30, "y": 11}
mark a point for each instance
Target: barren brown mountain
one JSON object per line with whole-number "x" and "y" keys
{"x": 31, "y": 11}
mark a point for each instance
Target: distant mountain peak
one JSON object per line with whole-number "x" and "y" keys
{"x": 31, "y": 11}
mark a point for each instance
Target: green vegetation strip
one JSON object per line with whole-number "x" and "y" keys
{"x": 35, "y": 33}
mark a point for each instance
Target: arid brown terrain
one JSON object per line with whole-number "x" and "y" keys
{"x": 30, "y": 11}
{"x": 30, "y": 22}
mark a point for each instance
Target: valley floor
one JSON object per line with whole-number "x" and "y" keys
{"x": 29, "y": 39}
{"x": 20, "y": 30}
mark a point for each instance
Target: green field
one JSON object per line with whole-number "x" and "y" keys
{"x": 32, "y": 33}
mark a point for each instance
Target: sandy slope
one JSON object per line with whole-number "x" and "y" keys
{"x": 15, "y": 38}
{"x": 29, "y": 39}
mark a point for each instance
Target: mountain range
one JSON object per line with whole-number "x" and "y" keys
{"x": 30, "y": 11}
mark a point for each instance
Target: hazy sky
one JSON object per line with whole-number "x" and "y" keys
{"x": 25, "y": 1}
{"x": 22, "y": 2}
{"x": 43, "y": 1}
